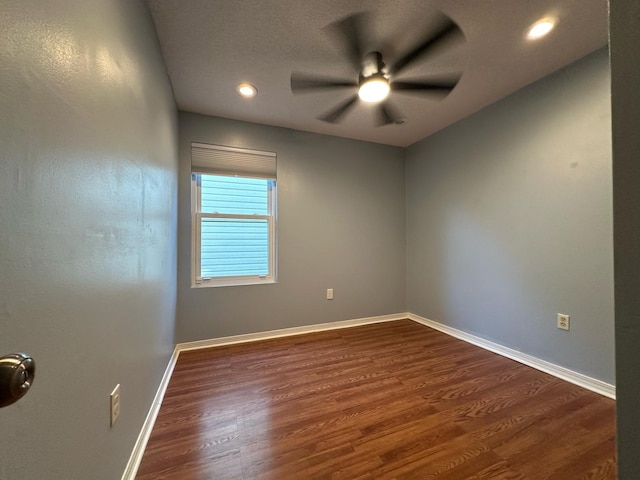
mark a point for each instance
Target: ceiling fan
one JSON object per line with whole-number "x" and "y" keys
{"x": 376, "y": 79}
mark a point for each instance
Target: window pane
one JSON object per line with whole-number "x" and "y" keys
{"x": 232, "y": 247}
{"x": 235, "y": 195}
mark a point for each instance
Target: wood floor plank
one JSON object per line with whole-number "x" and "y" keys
{"x": 394, "y": 400}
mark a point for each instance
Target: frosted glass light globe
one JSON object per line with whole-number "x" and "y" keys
{"x": 374, "y": 90}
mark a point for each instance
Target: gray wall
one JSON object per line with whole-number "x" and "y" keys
{"x": 625, "y": 71}
{"x": 340, "y": 226}
{"x": 88, "y": 204}
{"x": 509, "y": 221}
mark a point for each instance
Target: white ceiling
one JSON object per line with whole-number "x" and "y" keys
{"x": 210, "y": 46}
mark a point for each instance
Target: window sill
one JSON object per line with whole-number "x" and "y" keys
{"x": 232, "y": 283}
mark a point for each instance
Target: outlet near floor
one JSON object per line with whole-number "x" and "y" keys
{"x": 563, "y": 321}
{"x": 115, "y": 404}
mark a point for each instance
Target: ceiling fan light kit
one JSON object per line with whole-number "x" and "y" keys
{"x": 375, "y": 79}
{"x": 374, "y": 89}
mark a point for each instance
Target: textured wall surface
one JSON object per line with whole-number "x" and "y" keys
{"x": 625, "y": 71}
{"x": 340, "y": 226}
{"x": 88, "y": 204}
{"x": 509, "y": 221}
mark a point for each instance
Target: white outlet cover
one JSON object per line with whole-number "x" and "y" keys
{"x": 563, "y": 321}
{"x": 115, "y": 404}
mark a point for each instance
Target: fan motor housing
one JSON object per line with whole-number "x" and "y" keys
{"x": 372, "y": 64}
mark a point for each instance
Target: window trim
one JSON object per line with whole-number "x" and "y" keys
{"x": 196, "y": 216}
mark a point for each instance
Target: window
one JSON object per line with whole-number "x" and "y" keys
{"x": 233, "y": 205}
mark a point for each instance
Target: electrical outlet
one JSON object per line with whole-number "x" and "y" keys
{"x": 563, "y": 321}
{"x": 329, "y": 293}
{"x": 115, "y": 404}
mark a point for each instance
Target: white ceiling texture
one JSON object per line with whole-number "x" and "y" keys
{"x": 211, "y": 46}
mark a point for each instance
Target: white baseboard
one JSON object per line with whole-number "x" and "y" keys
{"x": 286, "y": 332}
{"x": 147, "y": 426}
{"x": 563, "y": 373}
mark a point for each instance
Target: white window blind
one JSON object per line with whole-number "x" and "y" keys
{"x": 220, "y": 160}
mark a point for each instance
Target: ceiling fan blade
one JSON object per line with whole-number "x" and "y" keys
{"x": 447, "y": 32}
{"x": 301, "y": 83}
{"x": 428, "y": 87}
{"x": 350, "y": 35}
{"x": 336, "y": 114}
{"x": 388, "y": 114}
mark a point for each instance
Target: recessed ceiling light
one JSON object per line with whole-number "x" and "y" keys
{"x": 247, "y": 90}
{"x": 540, "y": 28}
{"x": 374, "y": 89}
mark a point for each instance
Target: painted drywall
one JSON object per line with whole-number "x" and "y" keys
{"x": 340, "y": 226}
{"x": 625, "y": 78}
{"x": 509, "y": 221}
{"x": 88, "y": 211}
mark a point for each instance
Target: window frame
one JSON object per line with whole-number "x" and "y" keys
{"x": 197, "y": 281}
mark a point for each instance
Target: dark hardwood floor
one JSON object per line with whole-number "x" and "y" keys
{"x": 393, "y": 400}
